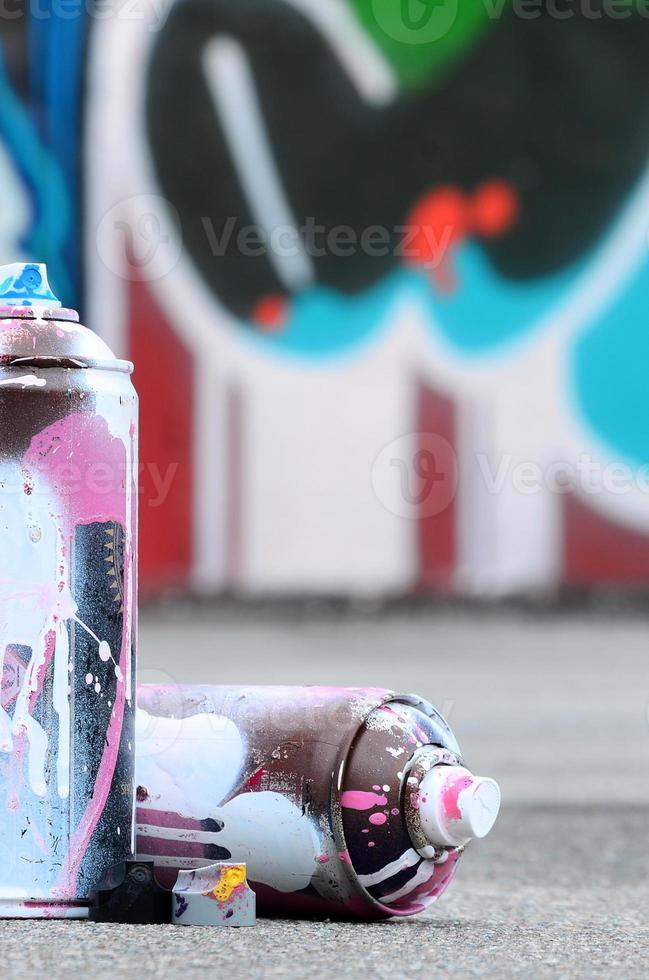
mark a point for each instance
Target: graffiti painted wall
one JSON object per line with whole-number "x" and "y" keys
{"x": 384, "y": 271}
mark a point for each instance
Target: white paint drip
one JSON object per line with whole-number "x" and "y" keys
{"x": 36, "y": 602}
{"x": 27, "y": 381}
{"x": 407, "y": 860}
{"x": 38, "y": 743}
{"x": 31, "y": 553}
{"x": 44, "y": 620}
{"x": 103, "y": 649}
{"x": 188, "y": 765}
{"x": 129, "y": 560}
{"x": 424, "y": 874}
{"x": 61, "y": 701}
{"x": 266, "y": 831}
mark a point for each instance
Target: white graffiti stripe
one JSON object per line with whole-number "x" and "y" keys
{"x": 424, "y": 874}
{"x": 232, "y": 87}
{"x": 401, "y": 864}
{"x": 370, "y": 72}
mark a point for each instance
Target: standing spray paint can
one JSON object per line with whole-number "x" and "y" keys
{"x": 341, "y": 801}
{"x": 68, "y": 506}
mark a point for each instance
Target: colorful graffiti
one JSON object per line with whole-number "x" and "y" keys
{"x": 40, "y": 142}
{"x": 364, "y": 240}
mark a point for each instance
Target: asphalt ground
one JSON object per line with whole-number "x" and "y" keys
{"x": 552, "y": 705}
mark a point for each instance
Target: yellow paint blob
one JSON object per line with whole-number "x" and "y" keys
{"x": 230, "y": 878}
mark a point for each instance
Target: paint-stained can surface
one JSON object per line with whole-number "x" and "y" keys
{"x": 315, "y": 789}
{"x": 68, "y": 518}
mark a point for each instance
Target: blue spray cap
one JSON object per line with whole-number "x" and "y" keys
{"x": 25, "y": 284}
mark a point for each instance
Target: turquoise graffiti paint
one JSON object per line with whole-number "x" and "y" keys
{"x": 608, "y": 372}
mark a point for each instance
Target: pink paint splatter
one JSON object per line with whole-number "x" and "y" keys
{"x": 344, "y": 857}
{"x": 378, "y": 819}
{"x": 89, "y": 443}
{"x": 358, "y": 799}
{"x": 322, "y": 859}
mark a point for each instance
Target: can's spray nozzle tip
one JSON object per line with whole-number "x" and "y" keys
{"x": 456, "y": 806}
{"x": 26, "y": 284}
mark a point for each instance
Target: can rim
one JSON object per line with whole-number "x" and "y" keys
{"x": 63, "y": 313}
{"x": 412, "y": 700}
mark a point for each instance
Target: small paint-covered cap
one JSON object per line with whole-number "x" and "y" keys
{"x": 26, "y": 284}
{"x": 214, "y": 895}
{"x": 456, "y": 806}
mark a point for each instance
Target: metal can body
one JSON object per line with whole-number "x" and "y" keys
{"x": 68, "y": 518}
{"x": 311, "y": 787}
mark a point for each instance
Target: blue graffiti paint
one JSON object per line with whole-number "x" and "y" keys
{"x": 325, "y": 324}
{"x": 608, "y": 372}
{"x": 484, "y": 315}
{"x": 41, "y": 175}
{"x": 54, "y": 41}
{"x": 487, "y": 313}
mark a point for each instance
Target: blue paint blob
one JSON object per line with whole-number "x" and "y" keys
{"x": 487, "y": 312}
{"x": 326, "y": 324}
{"x": 609, "y": 372}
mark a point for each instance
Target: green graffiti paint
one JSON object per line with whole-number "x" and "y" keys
{"x": 424, "y": 38}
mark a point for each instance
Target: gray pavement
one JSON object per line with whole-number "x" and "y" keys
{"x": 553, "y": 706}
{"x": 546, "y": 703}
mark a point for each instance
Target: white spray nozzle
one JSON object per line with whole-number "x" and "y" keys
{"x": 455, "y": 805}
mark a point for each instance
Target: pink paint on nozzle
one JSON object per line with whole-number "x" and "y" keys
{"x": 455, "y": 806}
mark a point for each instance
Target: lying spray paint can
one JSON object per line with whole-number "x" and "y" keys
{"x": 349, "y": 802}
{"x": 68, "y": 503}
